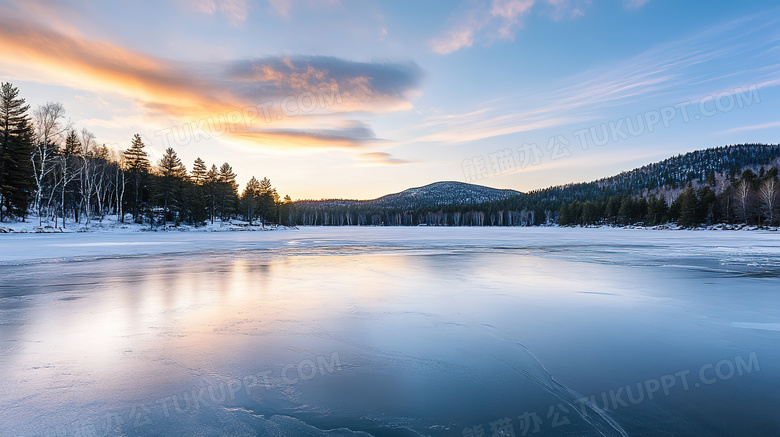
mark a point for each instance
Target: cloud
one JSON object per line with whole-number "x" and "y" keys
{"x": 282, "y": 7}
{"x": 455, "y": 40}
{"x": 634, "y": 4}
{"x": 187, "y": 91}
{"x": 499, "y": 20}
{"x": 567, "y": 9}
{"x": 372, "y": 87}
{"x": 235, "y": 10}
{"x": 381, "y": 158}
{"x": 347, "y": 135}
{"x": 676, "y": 72}
{"x": 752, "y": 127}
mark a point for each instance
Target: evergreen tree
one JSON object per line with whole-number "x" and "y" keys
{"x": 592, "y": 212}
{"x": 656, "y": 210}
{"x": 172, "y": 174}
{"x": 227, "y": 190}
{"x": 612, "y": 209}
{"x": 285, "y": 211}
{"x": 563, "y": 215}
{"x": 196, "y": 205}
{"x": 16, "y": 148}
{"x": 136, "y": 159}
{"x": 72, "y": 144}
{"x": 689, "y": 207}
{"x": 199, "y": 172}
{"x": 212, "y": 191}
{"x": 626, "y": 210}
{"x": 267, "y": 200}
{"x": 137, "y": 165}
{"x": 707, "y": 201}
{"x": 250, "y": 198}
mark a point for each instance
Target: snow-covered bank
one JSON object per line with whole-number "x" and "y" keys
{"x": 600, "y": 242}
{"x": 111, "y": 224}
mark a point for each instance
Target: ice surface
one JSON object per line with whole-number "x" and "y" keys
{"x": 435, "y": 331}
{"x": 613, "y": 244}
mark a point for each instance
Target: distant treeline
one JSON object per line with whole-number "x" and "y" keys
{"x": 731, "y": 184}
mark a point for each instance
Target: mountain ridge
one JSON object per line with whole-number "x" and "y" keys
{"x": 443, "y": 193}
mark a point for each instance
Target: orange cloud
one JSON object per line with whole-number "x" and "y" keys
{"x": 381, "y": 158}
{"x": 293, "y": 91}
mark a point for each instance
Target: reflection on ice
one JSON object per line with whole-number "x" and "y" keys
{"x": 388, "y": 337}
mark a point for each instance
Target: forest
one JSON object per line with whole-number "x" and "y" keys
{"x": 53, "y": 171}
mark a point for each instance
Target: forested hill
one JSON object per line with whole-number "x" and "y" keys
{"x": 725, "y": 184}
{"x": 437, "y": 194}
{"x": 701, "y": 165}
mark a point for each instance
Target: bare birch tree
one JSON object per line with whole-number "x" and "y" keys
{"x": 767, "y": 194}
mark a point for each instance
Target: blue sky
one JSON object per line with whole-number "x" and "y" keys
{"x": 355, "y": 99}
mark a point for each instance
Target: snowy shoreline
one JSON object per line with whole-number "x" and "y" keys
{"x": 111, "y": 225}
{"x": 32, "y": 226}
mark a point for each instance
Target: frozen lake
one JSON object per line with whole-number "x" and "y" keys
{"x": 391, "y": 331}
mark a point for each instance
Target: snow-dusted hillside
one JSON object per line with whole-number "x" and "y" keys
{"x": 443, "y": 193}
{"x": 431, "y": 195}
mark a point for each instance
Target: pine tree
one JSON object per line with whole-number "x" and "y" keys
{"x": 612, "y": 209}
{"x": 689, "y": 208}
{"x": 212, "y": 190}
{"x": 267, "y": 201}
{"x": 137, "y": 164}
{"x": 171, "y": 166}
{"x": 199, "y": 171}
{"x": 16, "y": 148}
{"x": 172, "y": 174}
{"x": 249, "y": 198}
{"x": 136, "y": 160}
{"x": 286, "y": 211}
{"x": 72, "y": 144}
{"x": 228, "y": 190}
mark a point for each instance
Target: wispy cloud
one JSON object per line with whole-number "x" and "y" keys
{"x": 381, "y": 158}
{"x": 282, "y": 7}
{"x": 567, "y": 9}
{"x": 752, "y": 127}
{"x": 675, "y": 72}
{"x": 186, "y": 91}
{"x": 499, "y": 20}
{"x": 635, "y": 4}
{"x": 235, "y": 10}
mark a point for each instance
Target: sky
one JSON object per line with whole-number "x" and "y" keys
{"x": 357, "y": 99}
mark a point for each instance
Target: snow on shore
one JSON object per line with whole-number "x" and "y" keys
{"x": 112, "y": 224}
